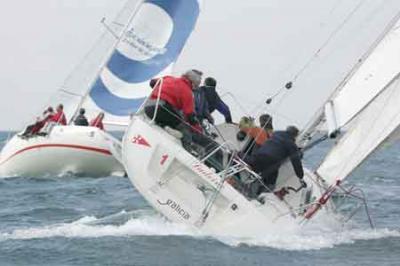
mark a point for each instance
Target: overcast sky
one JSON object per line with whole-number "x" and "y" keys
{"x": 252, "y": 47}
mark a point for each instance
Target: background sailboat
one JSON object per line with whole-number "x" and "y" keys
{"x": 143, "y": 42}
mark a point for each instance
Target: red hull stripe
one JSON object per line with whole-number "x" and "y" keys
{"x": 69, "y": 146}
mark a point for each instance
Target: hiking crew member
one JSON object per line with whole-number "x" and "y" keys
{"x": 98, "y": 121}
{"x": 176, "y": 97}
{"x": 40, "y": 122}
{"x": 214, "y": 102}
{"x": 59, "y": 117}
{"x": 81, "y": 119}
{"x": 272, "y": 154}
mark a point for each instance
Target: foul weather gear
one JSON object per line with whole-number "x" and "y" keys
{"x": 215, "y": 103}
{"x": 97, "y": 122}
{"x": 176, "y": 97}
{"x": 81, "y": 120}
{"x": 177, "y": 92}
{"x": 166, "y": 115}
{"x": 201, "y": 105}
{"x": 59, "y": 118}
{"x": 272, "y": 154}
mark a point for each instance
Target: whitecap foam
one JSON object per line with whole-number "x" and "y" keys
{"x": 88, "y": 227}
{"x": 306, "y": 241}
{"x": 321, "y": 234}
{"x": 324, "y": 232}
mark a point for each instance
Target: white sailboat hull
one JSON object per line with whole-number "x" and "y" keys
{"x": 180, "y": 186}
{"x": 82, "y": 151}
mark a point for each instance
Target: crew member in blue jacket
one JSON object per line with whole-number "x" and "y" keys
{"x": 272, "y": 154}
{"x": 214, "y": 101}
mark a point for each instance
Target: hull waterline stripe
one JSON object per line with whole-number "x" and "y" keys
{"x": 70, "y": 146}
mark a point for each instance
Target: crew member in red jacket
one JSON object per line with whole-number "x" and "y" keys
{"x": 34, "y": 129}
{"x": 176, "y": 98}
{"x": 98, "y": 121}
{"x": 59, "y": 117}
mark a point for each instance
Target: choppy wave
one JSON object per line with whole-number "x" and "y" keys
{"x": 316, "y": 236}
{"x": 313, "y": 241}
{"x": 92, "y": 227}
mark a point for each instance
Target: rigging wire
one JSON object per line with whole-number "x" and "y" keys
{"x": 312, "y": 124}
{"x": 315, "y": 55}
{"x": 329, "y": 39}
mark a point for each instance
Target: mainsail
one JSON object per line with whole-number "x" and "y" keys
{"x": 142, "y": 43}
{"x": 366, "y": 108}
{"x": 378, "y": 69}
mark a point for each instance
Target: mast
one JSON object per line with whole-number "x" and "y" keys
{"x": 107, "y": 57}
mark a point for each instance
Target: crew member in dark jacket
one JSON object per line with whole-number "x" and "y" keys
{"x": 201, "y": 105}
{"x": 272, "y": 154}
{"x": 214, "y": 101}
{"x": 81, "y": 119}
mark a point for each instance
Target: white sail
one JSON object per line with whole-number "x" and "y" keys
{"x": 377, "y": 122}
{"x": 364, "y": 107}
{"x": 143, "y": 42}
{"x": 378, "y": 69}
{"x": 76, "y": 86}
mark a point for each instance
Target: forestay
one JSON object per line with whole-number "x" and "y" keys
{"x": 144, "y": 42}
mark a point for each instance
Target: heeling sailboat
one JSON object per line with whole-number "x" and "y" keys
{"x": 197, "y": 189}
{"x": 113, "y": 78}
{"x": 190, "y": 187}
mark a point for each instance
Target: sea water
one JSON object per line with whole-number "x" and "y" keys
{"x": 105, "y": 221}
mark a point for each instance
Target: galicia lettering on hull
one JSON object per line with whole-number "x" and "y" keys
{"x": 176, "y": 207}
{"x": 150, "y": 45}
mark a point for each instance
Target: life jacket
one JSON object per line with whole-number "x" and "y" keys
{"x": 259, "y": 135}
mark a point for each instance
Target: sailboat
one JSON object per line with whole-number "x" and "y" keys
{"x": 196, "y": 188}
{"x": 141, "y": 43}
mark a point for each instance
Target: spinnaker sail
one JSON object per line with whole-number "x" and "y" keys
{"x": 145, "y": 41}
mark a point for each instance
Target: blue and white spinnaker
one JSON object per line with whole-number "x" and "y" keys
{"x": 148, "y": 47}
